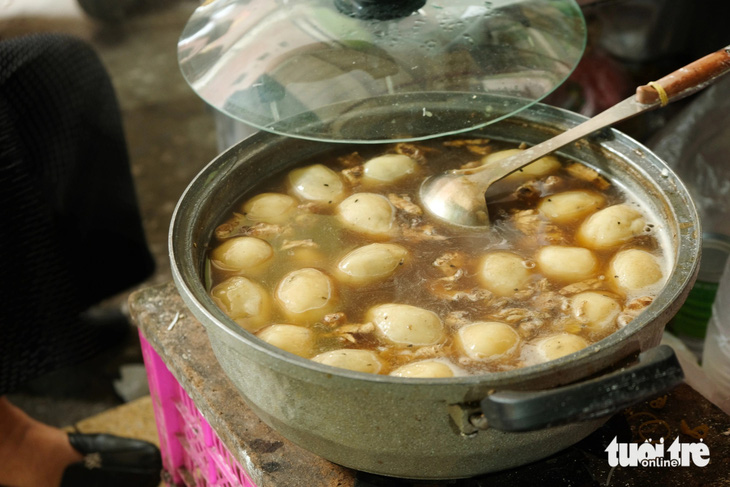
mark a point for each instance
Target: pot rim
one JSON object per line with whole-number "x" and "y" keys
{"x": 686, "y": 234}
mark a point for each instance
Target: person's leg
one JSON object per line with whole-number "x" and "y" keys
{"x": 32, "y": 454}
{"x": 71, "y": 235}
{"x": 71, "y": 228}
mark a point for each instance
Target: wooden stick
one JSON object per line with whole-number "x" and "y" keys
{"x": 688, "y": 79}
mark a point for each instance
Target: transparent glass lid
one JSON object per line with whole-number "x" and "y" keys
{"x": 333, "y": 69}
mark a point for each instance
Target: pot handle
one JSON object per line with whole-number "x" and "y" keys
{"x": 657, "y": 371}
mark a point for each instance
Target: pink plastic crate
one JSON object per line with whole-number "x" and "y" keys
{"x": 192, "y": 453}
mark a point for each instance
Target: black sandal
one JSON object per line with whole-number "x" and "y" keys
{"x": 113, "y": 461}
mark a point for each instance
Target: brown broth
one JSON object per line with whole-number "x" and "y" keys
{"x": 422, "y": 284}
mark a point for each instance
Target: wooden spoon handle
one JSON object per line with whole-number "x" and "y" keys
{"x": 688, "y": 79}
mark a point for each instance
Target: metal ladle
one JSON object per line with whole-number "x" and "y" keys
{"x": 458, "y": 196}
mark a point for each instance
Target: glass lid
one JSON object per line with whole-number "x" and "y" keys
{"x": 334, "y": 69}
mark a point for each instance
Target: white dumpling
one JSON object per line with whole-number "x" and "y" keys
{"x": 634, "y": 270}
{"x": 425, "y": 369}
{"x": 388, "y": 168}
{"x": 556, "y": 346}
{"x": 317, "y": 183}
{"x": 487, "y": 340}
{"x": 367, "y": 213}
{"x": 245, "y": 301}
{"x": 405, "y": 324}
{"x": 269, "y": 207}
{"x": 351, "y": 359}
{"x": 306, "y": 295}
{"x": 503, "y": 273}
{"x": 611, "y": 226}
{"x": 541, "y": 167}
{"x": 566, "y": 263}
{"x": 596, "y": 311}
{"x": 570, "y": 206}
{"x": 294, "y": 339}
{"x": 247, "y": 255}
{"x": 371, "y": 263}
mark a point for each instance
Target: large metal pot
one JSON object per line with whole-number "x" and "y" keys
{"x": 441, "y": 428}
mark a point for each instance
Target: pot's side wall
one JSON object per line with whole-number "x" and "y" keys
{"x": 395, "y": 431}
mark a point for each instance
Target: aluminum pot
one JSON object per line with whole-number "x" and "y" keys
{"x": 442, "y": 428}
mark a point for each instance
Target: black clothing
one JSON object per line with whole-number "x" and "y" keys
{"x": 70, "y": 228}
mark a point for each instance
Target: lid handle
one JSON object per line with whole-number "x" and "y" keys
{"x": 378, "y": 9}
